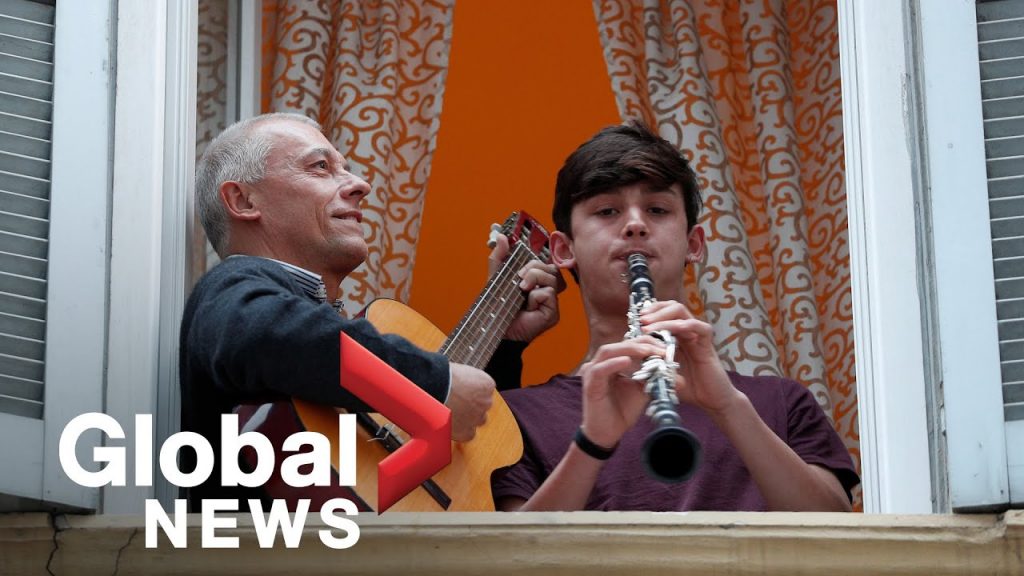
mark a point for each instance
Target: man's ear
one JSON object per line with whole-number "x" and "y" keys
{"x": 695, "y": 245}
{"x": 235, "y": 197}
{"x": 561, "y": 250}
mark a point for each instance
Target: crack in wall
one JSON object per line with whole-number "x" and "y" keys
{"x": 59, "y": 524}
{"x": 117, "y": 561}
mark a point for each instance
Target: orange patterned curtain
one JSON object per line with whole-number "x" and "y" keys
{"x": 372, "y": 73}
{"x": 750, "y": 90}
{"x": 211, "y": 106}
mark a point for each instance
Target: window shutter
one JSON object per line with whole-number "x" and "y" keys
{"x": 26, "y": 108}
{"x": 1001, "y": 53}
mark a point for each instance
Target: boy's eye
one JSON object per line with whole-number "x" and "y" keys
{"x": 605, "y": 212}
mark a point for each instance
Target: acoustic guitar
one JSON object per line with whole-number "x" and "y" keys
{"x": 464, "y": 485}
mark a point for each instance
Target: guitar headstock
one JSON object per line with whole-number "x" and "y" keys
{"x": 521, "y": 228}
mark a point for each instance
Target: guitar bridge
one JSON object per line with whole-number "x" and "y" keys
{"x": 386, "y": 435}
{"x": 391, "y": 442}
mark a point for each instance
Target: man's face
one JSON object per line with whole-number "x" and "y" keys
{"x": 608, "y": 227}
{"x": 309, "y": 202}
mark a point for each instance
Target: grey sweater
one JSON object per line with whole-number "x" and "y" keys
{"x": 249, "y": 334}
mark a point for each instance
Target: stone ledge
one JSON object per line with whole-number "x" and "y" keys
{"x": 549, "y": 543}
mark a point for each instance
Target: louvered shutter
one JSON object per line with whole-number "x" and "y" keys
{"x": 1001, "y": 53}
{"x": 26, "y": 94}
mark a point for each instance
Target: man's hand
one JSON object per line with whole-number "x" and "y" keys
{"x": 785, "y": 480}
{"x": 469, "y": 399}
{"x": 541, "y": 282}
{"x": 612, "y": 400}
{"x": 702, "y": 381}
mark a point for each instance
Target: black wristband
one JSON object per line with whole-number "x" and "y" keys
{"x": 589, "y": 448}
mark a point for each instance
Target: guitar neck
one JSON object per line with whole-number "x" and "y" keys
{"x": 476, "y": 337}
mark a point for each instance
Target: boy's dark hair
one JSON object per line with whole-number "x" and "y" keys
{"x": 620, "y": 156}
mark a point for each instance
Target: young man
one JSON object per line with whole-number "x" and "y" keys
{"x": 281, "y": 208}
{"x": 766, "y": 443}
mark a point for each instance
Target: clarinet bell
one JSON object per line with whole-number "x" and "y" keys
{"x": 671, "y": 454}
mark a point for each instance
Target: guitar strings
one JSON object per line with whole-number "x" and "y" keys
{"x": 500, "y": 288}
{"x": 500, "y": 283}
{"x": 500, "y": 318}
{"x": 453, "y": 346}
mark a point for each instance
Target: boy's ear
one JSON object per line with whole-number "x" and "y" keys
{"x": 235, "y": 197}
{"x": 561, "y": 250}
{"x": 695, "y": 245}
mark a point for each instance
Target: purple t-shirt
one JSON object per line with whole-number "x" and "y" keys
{"x": 549, "y": 415}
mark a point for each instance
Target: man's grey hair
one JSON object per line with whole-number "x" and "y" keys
{"x": 239, "y": 154}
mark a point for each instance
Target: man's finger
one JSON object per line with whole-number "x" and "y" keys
{"x": 498, "y": 254}
{"x": 666, "y": 310}
{"x": 603, "y": 370}
{"x": 540, "y": 298}
{"x": 682, "y": 329}
{"x": 536, "y": 273}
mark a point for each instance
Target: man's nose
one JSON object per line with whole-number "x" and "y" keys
{"x": 356, "y": 189}
{"x": 635, "y": 224}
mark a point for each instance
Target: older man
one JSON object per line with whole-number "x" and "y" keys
{"x": 281, "y": 208}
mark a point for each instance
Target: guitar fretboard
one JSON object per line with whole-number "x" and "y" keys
{"x": 477, "y": 335}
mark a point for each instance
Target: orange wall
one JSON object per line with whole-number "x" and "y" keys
{"x": 526, "y": 84}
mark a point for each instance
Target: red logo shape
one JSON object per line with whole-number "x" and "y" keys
{"x": 427, "y": 421}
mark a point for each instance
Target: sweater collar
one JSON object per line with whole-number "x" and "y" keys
{"x": 311, "y": 284}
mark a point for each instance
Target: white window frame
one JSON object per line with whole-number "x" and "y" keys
{"x": 136, "y": 227}
{"x": 245, "y": 62}
{"x": 178, "y": 185}
{"x": 78, "y": 253}
{"x": 927, "y": 299}
{"x": 881, "y": 174}
{"x": 880, "y": 177}
{"x": 154, "y": 149}
{"x": 890, "y": 282}
{"x": 964, "y": 277}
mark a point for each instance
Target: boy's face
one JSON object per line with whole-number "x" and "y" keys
{"x": 608, "y": 227}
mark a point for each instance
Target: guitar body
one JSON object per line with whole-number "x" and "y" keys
{"x": 467, "y": 480}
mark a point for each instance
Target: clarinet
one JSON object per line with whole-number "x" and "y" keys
{"x": 671, "y": 453}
